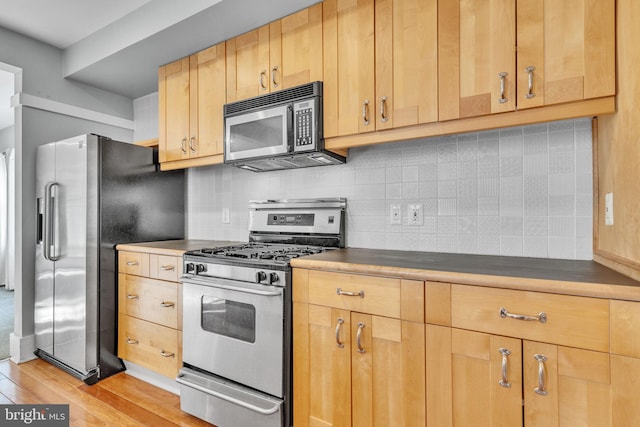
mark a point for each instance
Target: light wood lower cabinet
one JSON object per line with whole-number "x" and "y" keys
{"x": 355, "y": 367}
{"x": 150, "y": 311}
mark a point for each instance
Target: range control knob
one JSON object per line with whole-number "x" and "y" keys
{"x": 200, "y": 268}
{"x": 273, "y": 278}
{"x": 260, "y": 276}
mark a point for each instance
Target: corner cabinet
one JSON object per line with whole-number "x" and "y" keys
{"x": 191, "y": 96}
{"x": 359, "y": 348}
{"x": 276, "y": 56}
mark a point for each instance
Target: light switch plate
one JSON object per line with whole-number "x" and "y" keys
{"x": 225, "y": 216}
{"x": 394, "y": 214}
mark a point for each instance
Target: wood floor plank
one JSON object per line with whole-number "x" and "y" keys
{"x": 120, "y": 400}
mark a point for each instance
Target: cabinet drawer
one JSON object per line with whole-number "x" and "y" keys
{"x": 165, "y": 267}
{"x": 149, "y": 345}
{"x": 571, "y": 321}
{"x": 133, "y": 263}
{"x": 154, "y": 300}
{"x": 365, "y": 294}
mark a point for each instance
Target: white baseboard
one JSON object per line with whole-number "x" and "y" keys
{"x": 22, "y": 348}
{"x": 151, "y": 377}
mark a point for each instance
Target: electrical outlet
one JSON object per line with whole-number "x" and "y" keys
{"x": 415, "y": 214}
{"x": 395, "y": 215}
{"x": 225, "y": 216}
{"x": 608, "y": 209}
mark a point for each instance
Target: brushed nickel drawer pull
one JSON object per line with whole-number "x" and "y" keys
{"x": 192, "y": 144}
{"x": 339, "y": 343}
{"x": 183, "y": 145}
{"x": 133, "y": 296}
{"x": 365, "y": 109}
{"x": 167, "y": 354}
{"x": 541, "y": 317}
{"x": 167, "y": 304}
{"x": 541, "y": 375}
{"x": 360, "y": 294}
{"x": 273, "y": 76}
{"x": 504, "y": 382}
{"x": 132, "y": 263}
{"x": 359, "y": 338}
{"x": 263, "y": 74}
{"x": 383, "y": 109}
{"x": 167, "y": 267}
{"x": 131, "y": 341}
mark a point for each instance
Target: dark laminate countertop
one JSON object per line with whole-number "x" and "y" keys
{"x": 586, "y": 278}
{"x": 173, "y": 247}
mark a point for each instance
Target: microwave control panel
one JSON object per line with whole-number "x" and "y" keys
{"x": 304, "y": 125}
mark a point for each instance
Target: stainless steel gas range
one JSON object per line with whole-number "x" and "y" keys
{"x": 237, "y": 324}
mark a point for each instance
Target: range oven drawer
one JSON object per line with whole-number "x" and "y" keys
{"x": 224, "y": 403}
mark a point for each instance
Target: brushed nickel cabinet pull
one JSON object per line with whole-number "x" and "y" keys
{"x": 263, "y": 74}
{"x": 167, "y": 267}
{"x": 504, "y": 382}
{"x": 192, "y": 144}
{"x": 132, "y": 263}
{"x": 166, "y": 354}
{"x": 529, "y": 70}
{"x": 273, "y": 76}
{"x": 541, "y": 375}
{"x": 339, "y": 343}
{"x": 503, "y": 77}
{"x": 131, "y": 341}
{"x": 541, "y": 317}
{"x": 167, "y": 304}
{"x": 359, "y": 338}
{"x": 360, "y": 294}
{"x": 365, "y": 110}
{"x": 383, "y": 109}
{"x": 133, "y": 296}
{"x": 183, "y": 145}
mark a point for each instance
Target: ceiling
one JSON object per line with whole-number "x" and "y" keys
{"x": 118, "y": 45}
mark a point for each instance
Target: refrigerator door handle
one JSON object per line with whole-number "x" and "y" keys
{"x": 49, "y": 222}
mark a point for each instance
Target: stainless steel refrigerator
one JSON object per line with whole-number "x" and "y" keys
{"x": 93, "y": 193}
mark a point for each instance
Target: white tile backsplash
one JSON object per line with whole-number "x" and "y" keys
{"x": 523, "y": 191}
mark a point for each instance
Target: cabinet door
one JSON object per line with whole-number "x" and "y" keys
{"x": 486, "y": 379}
{"x": 207, "y": 99}
{"x": 476, "y": 47}
{"x": 406, "y": 50}
{"x": 296, "y": 49}
{"x": 565, "y": 386}
{"x": 322, "y": 366}
{"x": 568, "y": 46}
{"x": 349, "y": 86}
{"x": 173, "y": 114}
{"x": 248, "y": 64}
{"x": 388, "y": 373}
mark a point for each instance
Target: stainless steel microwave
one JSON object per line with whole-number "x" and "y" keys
{"x": 280, "y": 130}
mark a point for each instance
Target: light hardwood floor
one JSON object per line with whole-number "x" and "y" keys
{"x": 120, "y": 400}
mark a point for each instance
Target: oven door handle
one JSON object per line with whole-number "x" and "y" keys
{"x": 236, "y": 288}
{"x": 229, "y": 399}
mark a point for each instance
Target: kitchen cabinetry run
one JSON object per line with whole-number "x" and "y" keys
{"x": 191, "y": 94}
{"x": 276, "y": 56}
{"x": 150, "y": 311}
{"x": 358, "y": 350}
{"x": 380, "y": 64}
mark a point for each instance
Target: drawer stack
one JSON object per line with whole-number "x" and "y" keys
{"x": 150, "y": 311}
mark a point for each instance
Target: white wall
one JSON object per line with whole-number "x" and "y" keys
{"x": 524, "y": 191}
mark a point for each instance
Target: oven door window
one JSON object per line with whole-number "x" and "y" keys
{"x": 229, "y": 318}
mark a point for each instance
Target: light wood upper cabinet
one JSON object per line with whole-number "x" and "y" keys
{"x": 276, "y": 56}
{"x": 173, "y": 100}
{"x": 477, "y": 45}
{"x": 566, "y": 51}
{"x": 349, "y": 66}
{"x": 406, "y": 52}
{"x": 207, "y": 99}
{"x": 191, "y": 94}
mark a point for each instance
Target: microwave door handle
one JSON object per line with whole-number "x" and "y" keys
{"x": 291, "y": 129}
